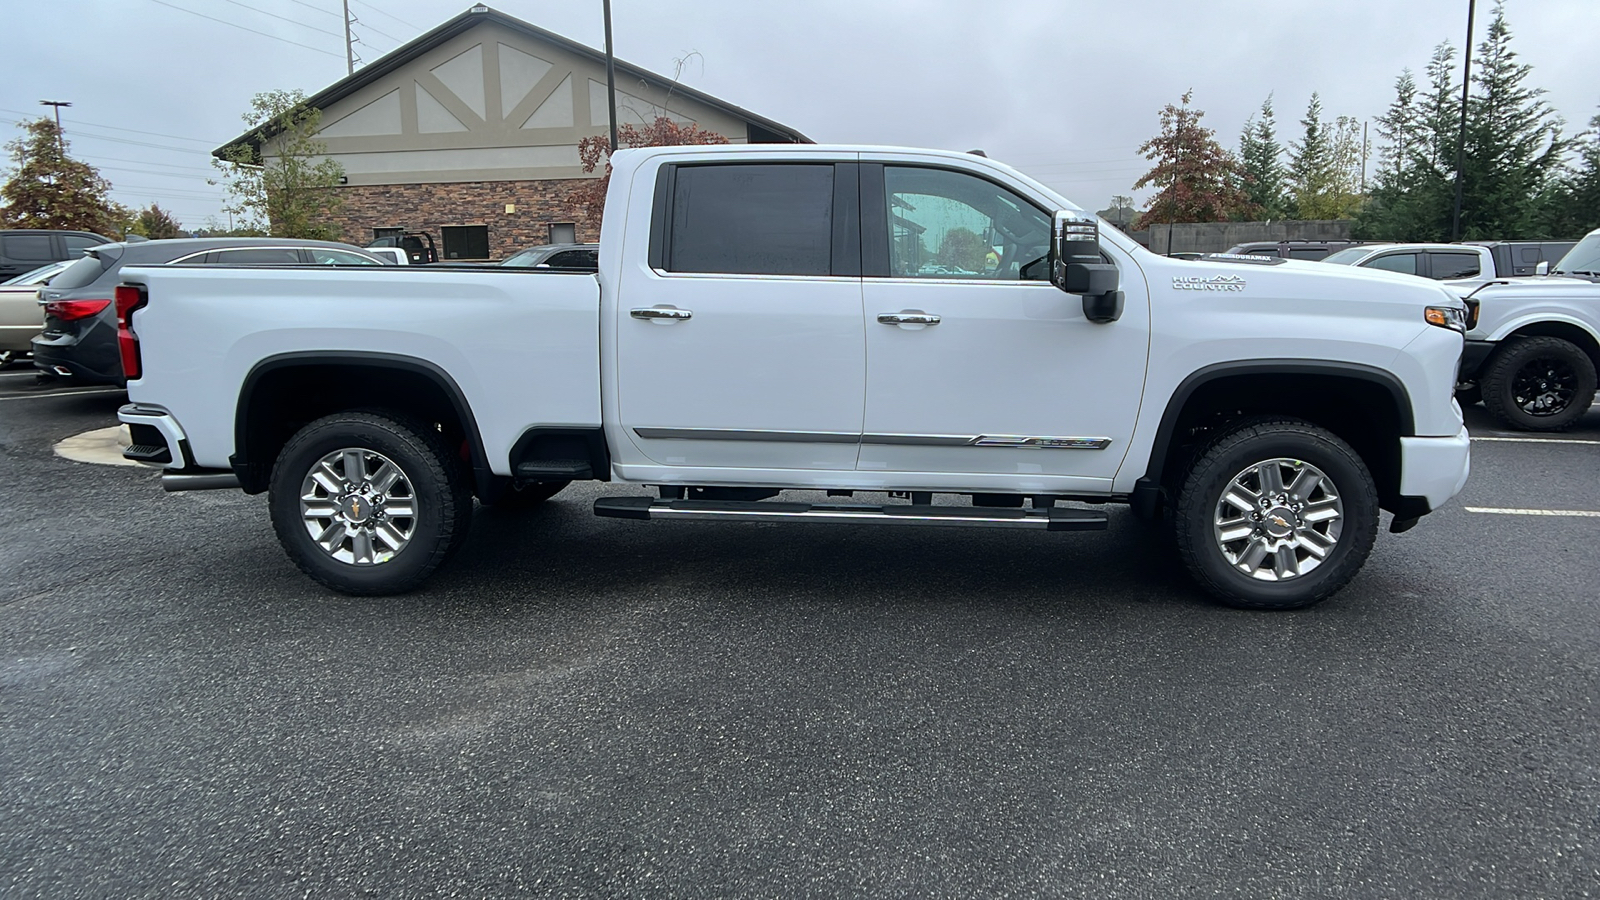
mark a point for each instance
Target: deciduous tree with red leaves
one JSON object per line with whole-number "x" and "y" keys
{"x": 663, "y": 132}
{"x": 1198, "y": 180}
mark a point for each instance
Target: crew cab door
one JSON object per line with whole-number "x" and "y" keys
{"x": 740, "y": 344}
{"x": 976, "y": 363}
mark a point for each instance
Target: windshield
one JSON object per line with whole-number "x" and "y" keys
{"x": 1347, "y": 256}
{"x": 1584, "y": 257}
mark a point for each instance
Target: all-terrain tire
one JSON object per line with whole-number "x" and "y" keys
{"x": 431, "y": 488}
{"x": 1538, "y": 383}
{"x": 1328, "y": 531}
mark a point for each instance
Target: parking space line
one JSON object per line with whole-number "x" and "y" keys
{"x": 64, "y": 394}
{"x": 1523, "y": 440}
{"x": 1508, "y": 511}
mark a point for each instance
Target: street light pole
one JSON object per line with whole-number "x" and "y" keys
{"x": 611, "y": 77}
{"x": 61, "y": 144}
{"x": 1461, "y": 139}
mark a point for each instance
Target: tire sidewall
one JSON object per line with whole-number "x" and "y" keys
{"x": 415, "y": 458}
{"x": 1214, "y": 472}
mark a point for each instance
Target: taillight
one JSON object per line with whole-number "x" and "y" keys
{"x": 73, "y": 310}
{"x": 129, "y": 298}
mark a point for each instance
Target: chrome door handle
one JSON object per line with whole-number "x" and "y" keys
{"x": 653, "y": 312}
{"x": 908, "y": 319}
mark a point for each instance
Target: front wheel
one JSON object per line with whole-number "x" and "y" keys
{"x": 1276, "y": 514}
{"x": 367, "y": 503}
{"x": 1538, "y": 383}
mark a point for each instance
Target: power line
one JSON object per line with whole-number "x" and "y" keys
{"x": 313, "y": 6}
{"x": 76, "y": 122}
{"x": 391, "y": 15}
{"x": 283, "y": 18}
{"x": 243, "y": 28}
{"x": 148, "y": 162}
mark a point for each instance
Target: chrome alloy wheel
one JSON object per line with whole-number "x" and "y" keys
{"x": 1278, "y": 519}
{"x": 358, "y": 506}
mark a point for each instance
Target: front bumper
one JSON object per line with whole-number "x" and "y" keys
{"x": 1433, "y": 469}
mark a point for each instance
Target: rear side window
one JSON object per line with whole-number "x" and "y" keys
{"x": 81, "y": 273}
{"x": 255, "y": 256}
{"x": 27, "y": 248}
{"x": 1311, "y": 253}
{"x": 326, "y": 256}
{"x": 1396, "y": 262}
{"x": 752, "y": 220}
{"x": 1455, "y": 265}
{"x": 75, "y": 244}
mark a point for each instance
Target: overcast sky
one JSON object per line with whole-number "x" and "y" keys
{"x": 1063, "y": 89}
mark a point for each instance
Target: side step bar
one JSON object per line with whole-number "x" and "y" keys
{"x": 1060, "y": 519}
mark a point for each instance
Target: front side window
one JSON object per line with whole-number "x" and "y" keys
{"x": 1454, "y": 265}
{"x": 945, "y": 224}
{"x": 324, "y": 256}
{"x": 752, "y": 220}
{"x": 1396, "y": 262}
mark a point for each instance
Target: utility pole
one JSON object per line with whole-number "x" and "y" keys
{"x": 1461, "y": 140}
{"x": 1364, "y": 147}
{"x": 61, "y": 144}
{"x": 349, "y": 52}
{"x": 611, "y": 77}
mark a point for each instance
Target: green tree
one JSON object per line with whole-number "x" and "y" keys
{"x": 155, "y": 223}
{"x": 280, "y": 181}
{"x": 1197, "y": 180}
{"x": 1261, "y": 156}
{"x": 1414, "y": 190}
{"x": 49, "y": 189}
{"x": 1570, "y": 206}
{"x": 1514, "y": 143}
{"x": 1325, "y": 167}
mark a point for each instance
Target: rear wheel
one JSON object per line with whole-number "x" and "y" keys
{"x": 1276, "y": 514}
{"x": 1538, "y": 383}
{"x": 367, "y": 503}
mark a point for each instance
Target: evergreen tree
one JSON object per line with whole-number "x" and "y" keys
{"x": 1411, "y": 198}
{"x": 1320, "y": 167}
{"x": 1514, "y": 143}
{"x": 155, "y": 223}
{"x": 1198, "y": 180}
{"x": 49, "y": 189}
{"x": 1570, "y": 207}
{"x": 1260, "y": 154}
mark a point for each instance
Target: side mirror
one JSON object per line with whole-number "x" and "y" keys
{"x": 1075, "y": 266}
{"x": 1543, "y": 268}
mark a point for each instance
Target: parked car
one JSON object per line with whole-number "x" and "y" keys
{"x": 24, "y": 250}
{"x": 79, "y": 338}
{"x": 1463, "y": 263}
{"x": 396, "y": 255}
{"x": 1516, "y": 259}
{"x": 417, "y": 245}
{"x": 20, "y": 317}
{"x": 1268, "y": 410}
{"x": 1309, "y": 250}
{"x": 1582, "y": 261}
{"x": 584, "y": 257}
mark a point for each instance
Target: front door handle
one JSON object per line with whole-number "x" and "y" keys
{"x": 908, "y": 318}
{"x": 660, "y": 314}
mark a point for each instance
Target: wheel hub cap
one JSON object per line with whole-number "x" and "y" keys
{"x": 1278, "y": 519}
{"x": 358, "y": 506}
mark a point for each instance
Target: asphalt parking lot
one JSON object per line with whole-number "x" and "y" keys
{"x": 578, "y": 706}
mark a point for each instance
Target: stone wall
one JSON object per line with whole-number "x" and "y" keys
{"x": 429, "y": 207}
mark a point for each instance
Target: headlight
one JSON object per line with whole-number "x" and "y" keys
{"x": 1451, "y": 317}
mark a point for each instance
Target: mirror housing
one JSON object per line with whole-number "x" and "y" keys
{"x": 1076, "y": 267}
{"x": 1543, "y": 268}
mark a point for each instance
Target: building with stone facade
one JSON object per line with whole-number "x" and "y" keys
{"x": 470, "y": 132}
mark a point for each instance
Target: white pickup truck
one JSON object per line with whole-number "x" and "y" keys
{"x": 935, "y": 330}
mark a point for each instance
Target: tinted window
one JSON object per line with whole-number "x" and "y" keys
{"x": 1454, "y": 265}
{"x": 324, "y": 256}
{"x": 575, "y": 259}
{"x": 255, "y": 256}
{"x": 77, "y": 243}
{"x": 1396, "y": 262}
{"x": 1311, "y": 253}
{"x": 1530, "y": 254}
{"x": 945, "y": 224}
{"x": 82, "y": 273}
{"x": 525, "y": 258}
{"x": 26, "y": 248}
{"x": 464, "y": 242}
{"x": 756, "y": 219}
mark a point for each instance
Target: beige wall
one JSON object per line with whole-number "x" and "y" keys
{"x": 490, "y": 104}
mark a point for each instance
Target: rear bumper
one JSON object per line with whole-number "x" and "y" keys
{"x": 84, "y": 362}
{"x": 153, "y": 427}
{"x": 1432, "y": 470}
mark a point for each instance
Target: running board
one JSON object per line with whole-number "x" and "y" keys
{"x": 1058, "y": 519}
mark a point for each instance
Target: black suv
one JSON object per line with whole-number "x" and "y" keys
{"x": 79, "y": 342}
{"x": 27, "y": 249}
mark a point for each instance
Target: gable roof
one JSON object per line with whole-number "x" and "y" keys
{"x": 480, "y": 15}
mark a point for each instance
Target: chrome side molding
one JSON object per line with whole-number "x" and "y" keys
{"x": 1030, "y": 442}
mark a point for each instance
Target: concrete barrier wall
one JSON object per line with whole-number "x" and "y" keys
{"x": 1215, "y": 237}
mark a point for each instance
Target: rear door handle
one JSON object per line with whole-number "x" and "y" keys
{"x": 660, "y": 314}
{"x": 908, "y": 318}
